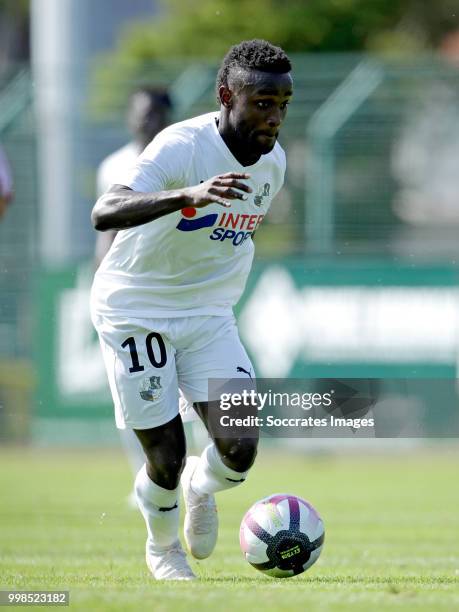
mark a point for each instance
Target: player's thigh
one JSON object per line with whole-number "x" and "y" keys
{"x": 213, "y": 351}
{"x": 140, "y": 363}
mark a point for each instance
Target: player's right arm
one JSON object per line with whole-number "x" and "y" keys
{"x": 121, "y": 207}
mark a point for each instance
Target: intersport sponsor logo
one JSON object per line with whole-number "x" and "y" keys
{"x": 236, "y": 227}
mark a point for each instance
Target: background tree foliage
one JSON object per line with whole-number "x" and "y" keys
{"x": 205, "y": 29}
{"x": 13, "y": 7}
{"x": 208, "y": 27}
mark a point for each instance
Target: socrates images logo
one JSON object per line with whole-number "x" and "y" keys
{"x": 236, "y": 227}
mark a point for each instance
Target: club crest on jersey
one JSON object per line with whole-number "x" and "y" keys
{"x": 262, "y": 192}
{"x": 150, "y": 388}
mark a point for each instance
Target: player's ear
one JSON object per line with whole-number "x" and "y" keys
{"x": 226, "y": 96}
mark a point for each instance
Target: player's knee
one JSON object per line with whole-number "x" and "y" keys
{"x": 165, "y": 468}
{"x": 239, "y": 455}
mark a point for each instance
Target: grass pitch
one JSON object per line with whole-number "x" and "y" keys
{"x": 391, "y": 524}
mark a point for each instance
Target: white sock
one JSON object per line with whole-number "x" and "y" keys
{"x": 160, "y": 510}
{"x": 211, "y": 474}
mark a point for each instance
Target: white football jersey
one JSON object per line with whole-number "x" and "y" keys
{"x": 193, "y": 261}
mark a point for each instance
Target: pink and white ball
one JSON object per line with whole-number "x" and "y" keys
{"x": 282, "y": 535}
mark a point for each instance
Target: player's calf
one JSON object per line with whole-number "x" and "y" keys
{"x": 165, "y": 451}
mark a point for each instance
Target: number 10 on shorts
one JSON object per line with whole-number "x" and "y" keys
{"x": 159, "y": 347}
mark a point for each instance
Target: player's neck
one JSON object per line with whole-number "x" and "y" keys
{"x": 237, "y": 147}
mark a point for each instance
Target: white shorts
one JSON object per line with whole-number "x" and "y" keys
{"x": 149, "y": 360}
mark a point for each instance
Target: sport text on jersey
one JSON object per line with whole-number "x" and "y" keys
{"x": 236, "y": 227}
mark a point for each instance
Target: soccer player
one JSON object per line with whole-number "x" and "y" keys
{"x": 162, "y": 298}
{"x": 148, "y": 113}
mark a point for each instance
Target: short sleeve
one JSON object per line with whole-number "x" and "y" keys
{"x": 163, "y": 165}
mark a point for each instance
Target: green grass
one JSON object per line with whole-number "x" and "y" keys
{"x": 392, "y": 534}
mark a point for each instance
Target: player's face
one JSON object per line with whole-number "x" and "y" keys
{"x": 259, "y": 108}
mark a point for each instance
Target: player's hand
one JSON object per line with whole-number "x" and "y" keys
{"x": 219, "y": 190}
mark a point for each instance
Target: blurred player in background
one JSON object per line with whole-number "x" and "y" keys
{"x": 162, "y": 297}
{"x": 6, "y": 183}
{"x": 148, "y": 113}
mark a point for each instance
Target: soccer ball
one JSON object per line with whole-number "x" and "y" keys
{"x": 281, "y": 535}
